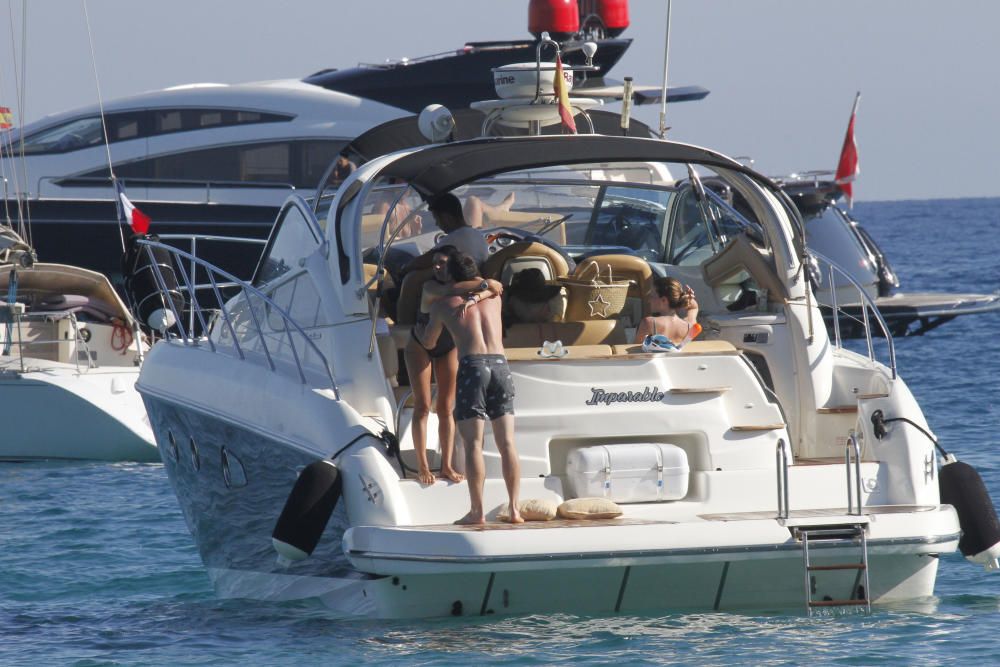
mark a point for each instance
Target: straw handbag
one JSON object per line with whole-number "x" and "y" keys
{"x": 594, "y": 299}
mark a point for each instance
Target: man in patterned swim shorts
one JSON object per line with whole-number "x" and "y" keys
{"x": 484, "y": 386}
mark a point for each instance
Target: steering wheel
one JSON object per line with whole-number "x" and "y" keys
{"x": 635, "y": 235}
{"x": 499, "y": 239}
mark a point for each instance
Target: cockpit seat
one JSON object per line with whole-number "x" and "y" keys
{"x": 740, "y": 257}
{"x": 521, "y": 255}
{"x": 586, "y": 332}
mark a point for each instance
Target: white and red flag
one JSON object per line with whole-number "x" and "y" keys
{"x": 848, "y": 167}
{"x": 559, "y": 87}
{"x": 128, "y": 214}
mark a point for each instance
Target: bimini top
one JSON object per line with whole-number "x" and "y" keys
{"x": 444, "y": 167}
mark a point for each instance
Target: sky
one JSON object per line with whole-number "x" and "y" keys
{"x": 783, "y": 73}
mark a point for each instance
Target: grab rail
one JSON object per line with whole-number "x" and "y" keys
{"x": 865, "y": 302}
{"x": 192, "y": 243}
{"x": 219, "y": 310}
{"x": 852, "y": 446}
{"x": 18, "y": 317}
{"x": 781, "y": 461}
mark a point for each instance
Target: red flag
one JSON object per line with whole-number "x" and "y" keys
{"x": 565, "y": 113}
{"x": 129, "y": 214}
{"x": 848, "y": 166}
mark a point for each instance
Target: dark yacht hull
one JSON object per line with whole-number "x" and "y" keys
{"x": 915, "y": 313}
{"x": 86, "y": 233}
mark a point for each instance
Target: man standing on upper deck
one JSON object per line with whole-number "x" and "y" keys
{"x": 485, "y": 389}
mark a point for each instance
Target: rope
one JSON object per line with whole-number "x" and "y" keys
{"x": 121, "y": 336}
{"x": 104, "y": 123}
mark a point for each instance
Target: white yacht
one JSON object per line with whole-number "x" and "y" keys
{"x": 201, "y": 158}
{"x": 801, "y": 474}
{"x": 69, "y": 360}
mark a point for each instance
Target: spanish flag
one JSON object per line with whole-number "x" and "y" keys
{"x": 6, "y": 119}
{"x": 565, "y": 113}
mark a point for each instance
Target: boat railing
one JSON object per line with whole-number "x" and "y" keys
{"x": 13, "y": 320}
{"x": 254, "y": 326}
{"x": 62, "y": 182}
{"x": 868, "y": 316}
{"x": 194, "y": 242}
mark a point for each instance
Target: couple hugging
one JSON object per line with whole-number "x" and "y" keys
{"x": 482, "y": 386}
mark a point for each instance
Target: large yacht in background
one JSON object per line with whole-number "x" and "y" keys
{"x": 221, "y": 159}
{"x": 208, "y": 158}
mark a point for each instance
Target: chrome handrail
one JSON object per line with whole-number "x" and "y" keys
{"x": 17, "y": 319}
{"x": 853, "y": 447}
{"x": 193, "y": 240}
{"x": 781, "y": 462}
{"x": 867, "y": 304}
{"x": 248, "y": 292}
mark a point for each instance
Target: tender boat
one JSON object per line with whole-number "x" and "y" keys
{"x": 69, "y": 360}
{"x": 832, "y": 231}
{"x": 764, "y": 466}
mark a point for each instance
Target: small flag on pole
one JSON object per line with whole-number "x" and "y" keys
{"x": 128, "y": 214}
{"x": 848, "y": 167}
{"x": 559, "y": 87}
{"x": 6, "y": 118}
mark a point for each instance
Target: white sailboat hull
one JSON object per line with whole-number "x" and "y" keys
{"x": 60, "y": 411}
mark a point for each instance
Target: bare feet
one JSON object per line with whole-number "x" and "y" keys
{"x": 515, "y": 517}
{"x": 472, "y": 519}
{"x": 425, "y": 476}
{"x": 451, "y": 475}
{"x": 507, "y": 202}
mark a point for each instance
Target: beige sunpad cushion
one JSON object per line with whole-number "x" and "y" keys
{"x": 589, "y": 508}
{"x": 533, "y": 509}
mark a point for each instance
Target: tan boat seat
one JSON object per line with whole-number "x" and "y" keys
{"x": 694, "y": 347}
{"x": 503, "y": 264}
{"x": 572, "y": 352}
{"x": 587, "y": 332}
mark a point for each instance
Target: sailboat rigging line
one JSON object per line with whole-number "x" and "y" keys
{"x": 104, "y": 124}
{"x": 23, "y": 211}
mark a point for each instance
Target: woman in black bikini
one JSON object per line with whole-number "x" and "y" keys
{"x": 440, "y": 362}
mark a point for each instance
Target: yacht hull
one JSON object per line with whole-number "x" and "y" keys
{"x": 421, "y": 571}
{"x": 63, "y": 414}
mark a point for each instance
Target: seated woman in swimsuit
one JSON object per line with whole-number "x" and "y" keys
{"x": 441, "y": 362}
{"x": 674, "y": 309}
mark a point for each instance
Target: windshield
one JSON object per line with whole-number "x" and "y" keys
{"x": 583, "y": 211}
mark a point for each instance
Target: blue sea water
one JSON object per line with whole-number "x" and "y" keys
{"x": 98, "y": 568}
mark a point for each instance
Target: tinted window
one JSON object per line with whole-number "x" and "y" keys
{"x": 85, "y": 132}
{"x": 297, "y": 163}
